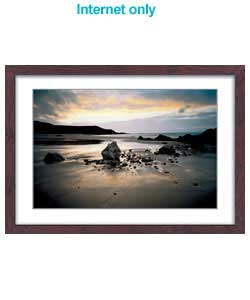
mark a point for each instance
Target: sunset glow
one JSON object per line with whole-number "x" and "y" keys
{"x": 117, "y": 108}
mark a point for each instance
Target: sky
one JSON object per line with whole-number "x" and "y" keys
{"x": 142, "y": 110}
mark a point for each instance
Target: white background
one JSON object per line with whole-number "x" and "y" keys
{"x": 76, "y": 267}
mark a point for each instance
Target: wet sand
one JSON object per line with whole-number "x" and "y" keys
{"x": 188, "y": 183}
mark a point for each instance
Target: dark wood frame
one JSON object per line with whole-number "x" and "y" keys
{"x": 237, "y": 71}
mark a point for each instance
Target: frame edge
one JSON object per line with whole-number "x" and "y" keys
{"x": 237, "y": 70}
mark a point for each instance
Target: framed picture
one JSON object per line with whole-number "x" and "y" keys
{"x": 125, "y": 149}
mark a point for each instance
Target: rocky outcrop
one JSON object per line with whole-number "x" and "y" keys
{"x": 111, "y": 153}
{"x": 163, "y": 138}
{"x": 47, "y": 128}
{"x": 197, "y": 141}
{"x": 176, "y": 150}
{"x": 169, "y": 150}
{"x": 141, "y": 138}
{"x": 51, "y": 158}
{"x": 208, "y": 136}
{"x": 160, "y": 137}
{"x": 115, "y": 159}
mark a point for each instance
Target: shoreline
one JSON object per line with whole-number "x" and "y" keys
{"x": 152, "y": 173}
{"x": 81, "y": 182}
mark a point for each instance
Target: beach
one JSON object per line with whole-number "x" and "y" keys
{"x": 80, "y": 181}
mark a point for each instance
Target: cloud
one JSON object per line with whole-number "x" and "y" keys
{"x": 167, "y": 123}
{"x": 184, "y": 109}
{"x": 104, "y": 106}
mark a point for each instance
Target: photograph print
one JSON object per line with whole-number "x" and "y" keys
{"x": 124, "y": 148}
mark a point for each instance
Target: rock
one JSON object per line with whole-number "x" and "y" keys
{"x": 141, "y": 138}
{"x": 87, "y": 161}
{"x": 201, "y": 141}
{"x": 112, "y": 152}
{"x": 113, "y": 163}
{"x": 146, "y": 159}
{"x": 100, "y": 162}
{"x": 169, "y": 150}
{"x": 54, "y": 157}
{"x": 134, "y": 161}
{"x": 162, "y": 137}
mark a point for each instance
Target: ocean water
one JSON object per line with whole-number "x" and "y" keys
{"x": 171, "y": 134}
{"x": 93, "y": 151}
{"x": 73, "y": 184}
